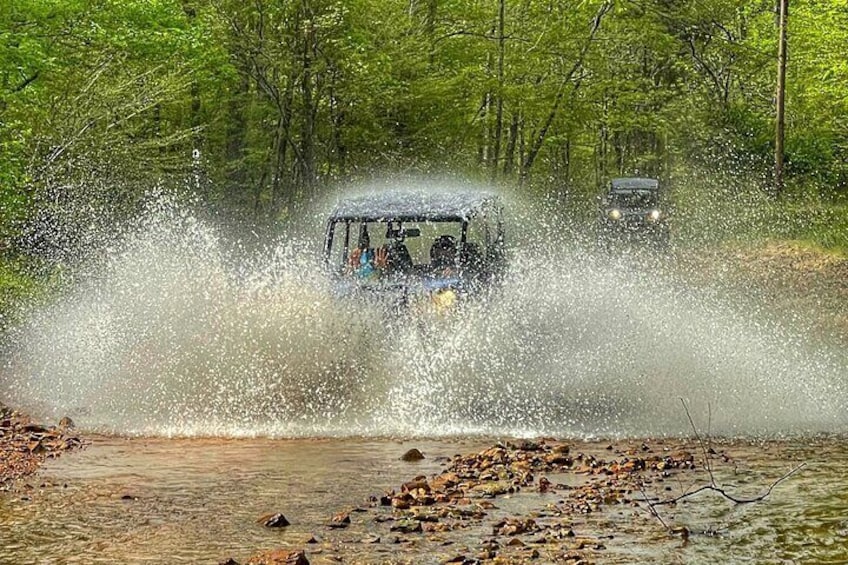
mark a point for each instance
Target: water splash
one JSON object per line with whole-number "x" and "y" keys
{"x": 166, "y": 334}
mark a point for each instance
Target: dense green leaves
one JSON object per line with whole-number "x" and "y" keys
{"x": 281, "y": 98}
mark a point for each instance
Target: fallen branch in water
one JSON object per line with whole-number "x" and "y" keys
{"x": 713, "y": 486}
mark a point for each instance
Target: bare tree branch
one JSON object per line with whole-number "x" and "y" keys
{"x": 728, "y": 496}
{"x": 653, "y": 503}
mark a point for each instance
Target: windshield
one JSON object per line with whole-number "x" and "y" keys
{"x": 633, "y": 199}
{"x": 411, "y": 248}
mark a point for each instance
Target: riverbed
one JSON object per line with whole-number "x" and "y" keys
{"x": 159, "y": 500}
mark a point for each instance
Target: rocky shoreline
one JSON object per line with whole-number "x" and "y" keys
{"x": 25, "y": 444}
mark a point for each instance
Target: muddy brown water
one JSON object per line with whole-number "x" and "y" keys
{"x": 158, "y": 500}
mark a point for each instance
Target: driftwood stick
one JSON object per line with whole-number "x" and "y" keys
{"x": 700, "y": 443}
{"x": 727, "y": 495}
{"x": 653, "y": 503}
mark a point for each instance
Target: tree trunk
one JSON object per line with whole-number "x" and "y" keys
{"x": 781, "y": 100}
{"x": 496, "y": 149}
{"x": 283, "y": 140}
{"x": 509, "y": 157}
{"x": 307, "y": 146}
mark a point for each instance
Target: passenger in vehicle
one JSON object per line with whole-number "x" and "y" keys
{"x": 398, "y": 258}
{"x": 443, "y": 255}
{"x": 364, "y": 261}
{"x": 471, "y": 257}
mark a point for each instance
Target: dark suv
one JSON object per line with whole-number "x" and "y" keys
{"x": 632, "y": 211}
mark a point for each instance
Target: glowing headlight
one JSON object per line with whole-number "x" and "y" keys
{"x": 654, "y": 215}
{"x": 614, "y": 214}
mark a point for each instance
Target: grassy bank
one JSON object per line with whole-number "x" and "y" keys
{"x": 820, "y": 228}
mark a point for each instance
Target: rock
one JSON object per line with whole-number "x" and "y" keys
{"x": 407, "y": 527}
{"x": 402, "y": 501}
{"x": 279, "y": 557}
{"x": 515, "y": 542}
{"x": 229, "y": 561}
{"x": 412, "y": 455}
{"x": 529, "y": 445}
{"x": 681, "y": 531}
{"x": 422, "y": 516}
{"x": 415, "y": 484}
{"x": 274, "y": 521}
{"x": 370, "y": 538}
{"x": 340, "y": 520}
{"x": 34, "y": 429}
{"x": 514, "y": 526}
{"x": 66, "y": 423}
{"x": 36, "y": 447}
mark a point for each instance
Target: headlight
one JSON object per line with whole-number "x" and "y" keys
{"x": 653, "y": 215}
{"x": 614, "y": 214}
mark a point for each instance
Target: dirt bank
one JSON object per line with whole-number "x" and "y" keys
{"x": 791, "y": 279}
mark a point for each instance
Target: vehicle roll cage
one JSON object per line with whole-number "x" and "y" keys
{"x": 402, "y": 207}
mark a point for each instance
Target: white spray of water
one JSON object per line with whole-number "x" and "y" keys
{"x": 167, "y": 336}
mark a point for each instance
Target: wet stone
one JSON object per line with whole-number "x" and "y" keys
{"x": 340, "y": 520}
{"x": 274, "y": 521}
{"x": 412, "y": 455}
{"x": 279, "y": 557}
{"x": 406, "y": 526}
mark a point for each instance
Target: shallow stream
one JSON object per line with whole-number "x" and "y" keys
{"x": 198, "y": 501}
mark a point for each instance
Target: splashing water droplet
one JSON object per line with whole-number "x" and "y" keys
{"x": 167, "y": 334}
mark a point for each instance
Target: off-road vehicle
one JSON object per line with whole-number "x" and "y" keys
{"x": 401, "y": 245}
{"x": 633, "y": 210}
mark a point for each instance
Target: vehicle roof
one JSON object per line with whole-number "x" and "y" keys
{"x": 626, "y": 183}
{"x": 413, "y": 205}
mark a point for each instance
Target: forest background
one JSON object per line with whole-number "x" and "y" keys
{"x": 260, "y": 107}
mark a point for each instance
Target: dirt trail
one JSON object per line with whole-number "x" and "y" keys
{"x": 809, "y": 284}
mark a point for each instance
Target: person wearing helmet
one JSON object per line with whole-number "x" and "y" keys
{"x": 443, "y": 258}
{"x": 443, "y": 254}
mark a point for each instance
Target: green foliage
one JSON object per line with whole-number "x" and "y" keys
{"x": 284, "y": 97}
{"x": 16, "y": 287}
